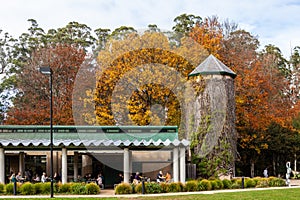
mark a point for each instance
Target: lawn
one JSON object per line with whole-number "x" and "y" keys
{"x": 272, "y": 194}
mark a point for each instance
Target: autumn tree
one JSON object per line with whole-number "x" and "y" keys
{"x": 208, "y": 34}
{"x": 141, "y": 79}
{"x": 32, "y": 50}
{"x": 261, "y": 86}
{"x": 32, "y": 103}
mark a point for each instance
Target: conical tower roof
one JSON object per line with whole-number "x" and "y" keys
{"x": 212, "y": 65}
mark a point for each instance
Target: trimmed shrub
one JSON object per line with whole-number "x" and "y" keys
{"x": 235, "y": 180}
{"x": 219, "y": 184}
{"x": 191, "y": 186}
{"x": 216, "y": 184}
{"x": 124, "y": 188}
{"x": 92, "y": 188}
{"x": 138, "y": 188}
{"x": 2, "y": 187}
{"x": 27, "y": 188}
{"x": 227, "y": 184}
{"x": 46, "y": 187}
{"x": 250, "y": 183}
{"x": 262, "y": 183}
{"x": 152, "y": 188}
{"x": 78, "y": 188}
{"x": 64, "y": 188}
{"x": 182, "y": 188}
{"x": 276, "y": 182}
{"x": 175, "y": 187}
{"x": 204, "y": 185}
{"x": 57, "y": 186}
{"x": 133, "y": 187}
{"x": 164, "y": 187}
{"x": 213, "y": 184}
{"x": 237, "y": 183}
{"x": 9, "y": 188}
{"x": 256, "y": 179}
{"x": 38, "y": 188}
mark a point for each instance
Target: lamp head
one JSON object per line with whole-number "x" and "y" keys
{"x": 46, "y": 70}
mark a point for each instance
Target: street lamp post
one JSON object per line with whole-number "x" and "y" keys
{"x": 47, "y": 71}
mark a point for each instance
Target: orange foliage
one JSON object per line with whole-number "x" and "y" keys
{"x": 149, "y": 70}
{"x": 33, "y": 107}
{"x": 209, "y": 35}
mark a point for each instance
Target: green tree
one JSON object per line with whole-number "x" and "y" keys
{"x": 34, "y": 48}
{"x": 184, "y": 24}
{"x": 102, "y": 38}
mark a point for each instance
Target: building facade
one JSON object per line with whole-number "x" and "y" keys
{"x": 83, "y": 152}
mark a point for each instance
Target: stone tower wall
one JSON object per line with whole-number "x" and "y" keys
{"x": 211, "y": 122}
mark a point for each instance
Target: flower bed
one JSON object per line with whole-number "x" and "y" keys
{"x": 44, "y": 188}
{"x": 199, "y": 185}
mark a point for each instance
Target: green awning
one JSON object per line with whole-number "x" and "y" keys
{"x": 91, "y": 136}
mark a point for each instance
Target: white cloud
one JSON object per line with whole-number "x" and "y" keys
{"x": 274, "y": 21}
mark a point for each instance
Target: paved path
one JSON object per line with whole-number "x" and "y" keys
{"x": 110, "y": 193}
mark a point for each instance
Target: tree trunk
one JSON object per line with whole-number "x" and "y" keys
{"x": 252, "y": 169}
{"x": 295, "y": 163}
{"x": 274, "y": 165}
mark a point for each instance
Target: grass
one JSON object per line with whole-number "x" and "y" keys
{"x": 272, "y": 194}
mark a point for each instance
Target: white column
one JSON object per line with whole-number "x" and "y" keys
{"x": 175, "y": 165}
{"x": 75, "y": 166}
{"x": 21, "y": 163}
{"x": 130, "y": 163}
{"x": 182, "y": 164}
{"x": 126, "y": 165}
{"x": 2, "y": 166}
{"x": 64, "y": 166}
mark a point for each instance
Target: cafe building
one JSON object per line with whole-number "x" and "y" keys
{"x": 83, "y": 152}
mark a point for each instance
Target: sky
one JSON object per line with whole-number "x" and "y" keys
{"x": 275, "y": 22}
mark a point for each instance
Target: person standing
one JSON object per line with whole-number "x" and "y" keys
{"x": 265, "y": 173}
{"x": 14, "y": 180}
{"x": 57, "y": 177}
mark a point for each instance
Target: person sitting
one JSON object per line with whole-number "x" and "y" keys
{"x": 19, "y": 177}
{"x": 137, "y": 178}
{"x": 168, "y": 177}
{"x": 160, "y": 177}
{"x": 100, "y": 181}
{"x": 120, "y": 178}
{"x": 36, "y": 178}
{"x": 88, "y": 177}
{"x": 80, "y": 179}
{"x": 44, "y": 178}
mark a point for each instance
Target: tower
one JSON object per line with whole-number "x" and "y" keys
{"x": 211, "y": 118}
